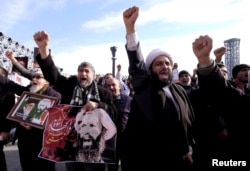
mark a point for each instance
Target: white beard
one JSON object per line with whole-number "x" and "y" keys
{"x": 35, "y": 88}
{"x": 88, "y": 83}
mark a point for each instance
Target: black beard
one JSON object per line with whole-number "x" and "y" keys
{"x": 94, "y": 142}
{"x": 160, "y": 83}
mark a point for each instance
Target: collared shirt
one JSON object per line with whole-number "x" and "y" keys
{"x": 167, "y": 92}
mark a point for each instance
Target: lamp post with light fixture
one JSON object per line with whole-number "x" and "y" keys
{"x": 113, "y": 50}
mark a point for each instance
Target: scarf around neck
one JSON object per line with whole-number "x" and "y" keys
{"x": 81, "y": 96}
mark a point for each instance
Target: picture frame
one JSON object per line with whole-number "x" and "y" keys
{"x": 31, "y": 109}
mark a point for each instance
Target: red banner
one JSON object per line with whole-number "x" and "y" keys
{"x": 72, "y": 135}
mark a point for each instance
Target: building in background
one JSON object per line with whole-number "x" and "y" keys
{"x": 23, "y": 54}
{"x": 232, "y": 55}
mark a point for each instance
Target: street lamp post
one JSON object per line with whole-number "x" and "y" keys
{"x": 113, "y": 50}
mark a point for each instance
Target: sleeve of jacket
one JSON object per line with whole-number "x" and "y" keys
{"x": 211, "y": 80}
{"x": 12, "y": 86}
{"x": 137, "y": 68}
{"x": 214, "y": 85}
{"x": 26, "y": 73}
{"x": 50, "y": 71}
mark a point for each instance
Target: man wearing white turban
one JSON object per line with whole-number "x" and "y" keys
{"x": 161, "y": 114}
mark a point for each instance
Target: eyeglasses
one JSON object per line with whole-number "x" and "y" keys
{"x": 37, "y": 76}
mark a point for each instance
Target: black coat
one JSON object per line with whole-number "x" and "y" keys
{"x": 235, "y": 111}
{"x": 7, "y": 101}
{"x": 66, "y": 86}
{"x": 152, "y": 140}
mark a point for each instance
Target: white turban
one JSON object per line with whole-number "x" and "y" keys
{"x": 155, "y": 53}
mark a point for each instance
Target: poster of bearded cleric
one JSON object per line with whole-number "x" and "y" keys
{"x": 73, "y": 135}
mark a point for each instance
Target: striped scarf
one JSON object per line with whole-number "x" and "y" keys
{"x": 81, "y": 96}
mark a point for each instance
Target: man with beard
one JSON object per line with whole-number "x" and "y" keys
{"x": 94, "y": 129}
{"x": 78, "y": 90}
{"x": 158, "y": 129}
{"x": 30, "y": 138}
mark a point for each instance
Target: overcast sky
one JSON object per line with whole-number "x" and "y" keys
{"x": 84, "y": 30}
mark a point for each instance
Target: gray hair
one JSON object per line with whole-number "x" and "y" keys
{"x": 86, "y": 65}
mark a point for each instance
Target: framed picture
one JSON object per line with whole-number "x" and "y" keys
{"x": 31, "y": 109}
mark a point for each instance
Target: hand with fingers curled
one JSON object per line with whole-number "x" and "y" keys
{"x": 90, "y": 105}
{"x": 9, "y": 54}
{"x": 218, "y": 53}
{"x": 42, "y": 39}
{"x": 202, "y": 47}
{"x": 130, "y": 16}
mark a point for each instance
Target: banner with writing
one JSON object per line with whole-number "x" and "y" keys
{"x": 73, "y": 135}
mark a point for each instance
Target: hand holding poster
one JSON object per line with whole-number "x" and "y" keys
{"x": 73, "y": 135}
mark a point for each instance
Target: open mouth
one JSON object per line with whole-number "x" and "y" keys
{"x": 164, "y": 73}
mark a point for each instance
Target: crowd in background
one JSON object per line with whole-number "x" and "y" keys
{"x": 165, "y": 118}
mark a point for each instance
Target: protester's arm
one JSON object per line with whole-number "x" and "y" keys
{"x": 106, "y": 103}
{"x": 218, "y": 53}
{"x": 210, "y": 78}
{"x": 10, "y": 55}
{"x": 24, "y": 72}
{"x": 42, "y": 40}
{"x": 137, "y": 68}
{"x": 129, "y": 17}
{"x": 194, "y": 77}
{"x": 45, "y": 61}
{"x": 202, "y": 47}
{"x": 12, "y": 86}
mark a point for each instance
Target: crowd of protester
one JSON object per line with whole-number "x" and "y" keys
{"x": 166, "y": 119}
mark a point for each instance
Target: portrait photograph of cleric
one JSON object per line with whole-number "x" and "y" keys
{"x": 73, "y": 135}
{"x": 31, "y": 109}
